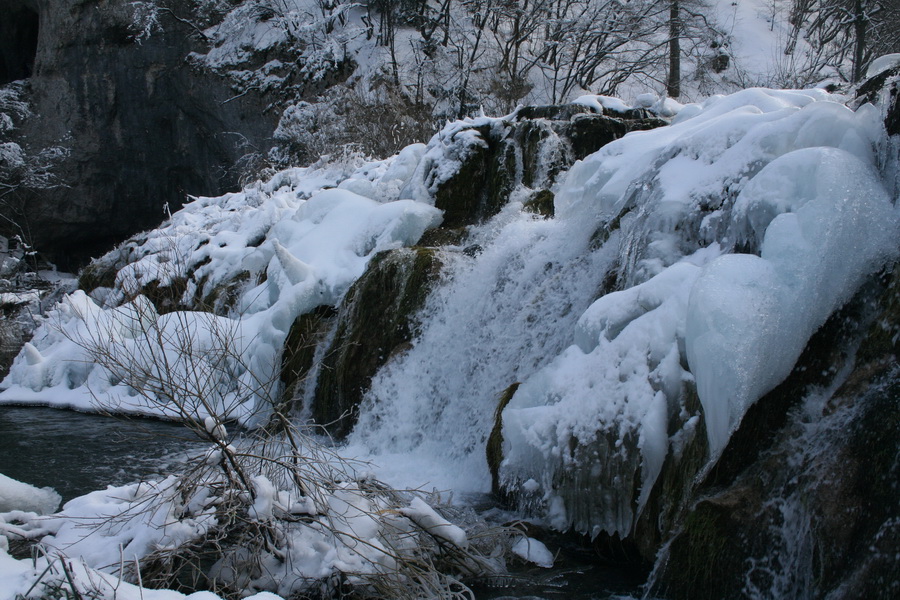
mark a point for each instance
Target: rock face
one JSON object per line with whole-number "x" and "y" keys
{"x": 135, "y": 127}
{"x": 529, "y": 150}
{"x": 808, "y": 510}
{"x": 375, "y": 321}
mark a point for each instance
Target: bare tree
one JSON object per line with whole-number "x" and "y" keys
{"x": 258, "y": 488}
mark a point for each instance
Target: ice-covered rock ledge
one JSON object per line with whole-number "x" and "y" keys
{"x": 745, "y": 224}
{"x": 259, "y": 258}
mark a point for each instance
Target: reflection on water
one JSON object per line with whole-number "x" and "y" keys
{"x": 76, "y": 453}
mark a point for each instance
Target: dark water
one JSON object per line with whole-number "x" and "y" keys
{"x": 569, "y": 579}
{"x": 578, "y": 572}
{"x": 76, "y": 453}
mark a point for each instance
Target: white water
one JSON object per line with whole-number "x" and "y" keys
{"x": 495, "y": 320}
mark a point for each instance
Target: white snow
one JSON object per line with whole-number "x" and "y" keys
{"x": 347, "y": 530}
{"x": 787, "y": 177}
{"x": 882, "y": 63}
{"x": 308, "y": 243}
{"x": 18, "y": 577}
{"x": 16, "y": 495}
{"x": 827, "y": 222}
{"x": 427, "y": 518}
{"x": 789, "y": 173}
{"x": 533, "y": 551}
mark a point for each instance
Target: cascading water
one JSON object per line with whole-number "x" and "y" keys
{"x": 496, "y": 318}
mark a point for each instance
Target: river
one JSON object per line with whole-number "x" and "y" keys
{"x": 76, "y": 453}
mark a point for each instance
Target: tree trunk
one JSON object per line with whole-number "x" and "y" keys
{"x": 673, "y": 81}
{"x": 860, "y": 26}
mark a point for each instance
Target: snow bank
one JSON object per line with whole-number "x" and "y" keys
{"x": 533, "y": 551}
{"x": 275, "y": 539}
{"x": 15, "y": 495}
{"x": 280, "y": 249}
{"x": 46, "y": 575}
{"x": 787, "y": 177}
{"x": 427, "y": 518}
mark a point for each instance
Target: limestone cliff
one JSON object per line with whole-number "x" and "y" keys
{"x": 133, "y": 127}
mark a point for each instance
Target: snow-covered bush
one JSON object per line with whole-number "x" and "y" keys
{"x": 378, "y": 122}
{"x": 277, "y": 513}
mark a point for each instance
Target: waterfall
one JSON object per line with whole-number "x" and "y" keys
{"x": 495, "y": 319}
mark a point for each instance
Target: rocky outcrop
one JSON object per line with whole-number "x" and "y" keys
{"x": 136, "y": 130}
{"x": 376, "y": 320}
{"x": 529, "y": 150}
{"x": 803, "y": 502}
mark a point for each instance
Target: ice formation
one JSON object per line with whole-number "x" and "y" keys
{"x": 786, "y": 178}
{"x": 697, "y": 257}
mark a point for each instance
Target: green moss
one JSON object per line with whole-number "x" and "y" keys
{"x": 461, "y": 196}
{"x": 443, "y": 236}
{"x": 540, "y": 203}
{"x": 702, "y": 562}
{"x": 883, "y": 337}
{"x": 494, "y": 447}
{"x": 674, "y": 488}
{"x": 297, "y": 359}
{"x": 166, "y": 298}
{"x": 483, "y": 183}
{"x": 589, "y": 133}
{"x": 375, "y": 320}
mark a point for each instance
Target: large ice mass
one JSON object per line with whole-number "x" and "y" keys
{"x": 744, "y": 225}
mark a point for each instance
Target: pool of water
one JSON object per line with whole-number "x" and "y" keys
{"x": 76, "y": 453}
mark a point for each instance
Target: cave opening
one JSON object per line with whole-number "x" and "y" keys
{"x": 18, "y": 42}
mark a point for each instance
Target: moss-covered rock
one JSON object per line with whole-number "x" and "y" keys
{"x": 298, "y": 358}
{"x": 375, "y": 320}
{"x": 96, "y": 275}
{"x": 530, "y": 150}
{"x": 443, "y": 236}
{"x": 483, "y": 182}
{"x": 588, "y": 133}
{"x": 223, "y": 297}
{"x": 815, "y": 518}
{"x": 494, "y": 449}
{"x": 167, "y": 298}
{"x": 674, "y": 489}
{"x": 703, "y": 563}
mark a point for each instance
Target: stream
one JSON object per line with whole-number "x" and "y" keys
{"x": 76, "y": 453}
